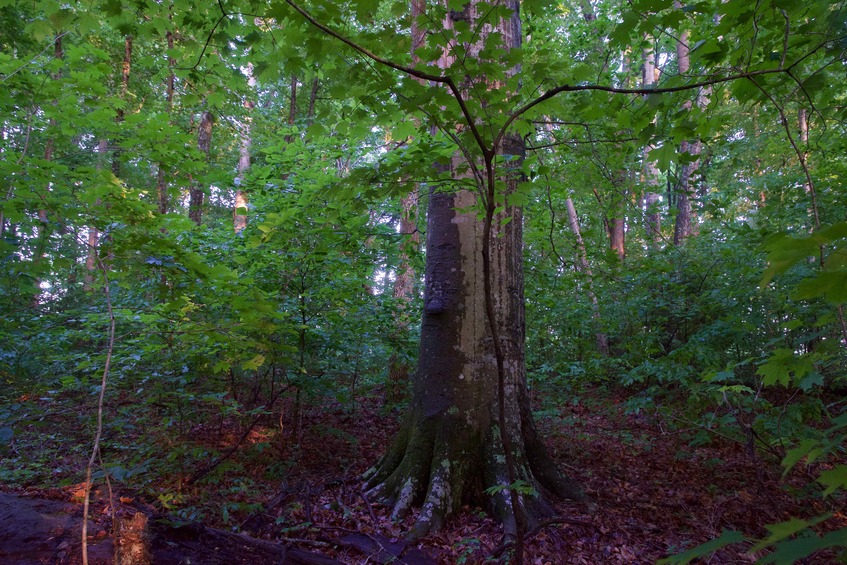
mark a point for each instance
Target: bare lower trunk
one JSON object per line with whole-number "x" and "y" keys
{"x": 616, "y": 237}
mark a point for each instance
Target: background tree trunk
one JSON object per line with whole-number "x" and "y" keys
{"x": 653, "y": 221}
{"x": 204, "y": 143}
{"x": 239, "y": 213}
{"x": 686, "y": 220}
{"x": 404, "y": 286}
{"x": 126, "y": 67}
{"x": 93, "y": 233}
{"x": 398, "y": 368}
{"x": 161, "y": 174}
{"x": 585, "y": 268}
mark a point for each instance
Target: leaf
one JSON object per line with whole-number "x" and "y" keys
{"x": 834, "y": 479}
{"x": 784, "y": 530}
{"x": 727, "y": 538}
{"x": 790, "y": 552}
{"x": 253, "y": 363}
{"x": 811, "y": 380}
{"x": 782, "y": 365}
{"x": 831, "y": 286}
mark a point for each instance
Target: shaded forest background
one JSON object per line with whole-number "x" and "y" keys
{"x": 219, "y": 211}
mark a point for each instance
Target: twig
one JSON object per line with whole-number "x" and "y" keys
{"x": 95, "y": 450}
{"x": 368, "y": 505}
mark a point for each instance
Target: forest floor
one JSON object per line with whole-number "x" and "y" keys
{"x": 655, "y": 495}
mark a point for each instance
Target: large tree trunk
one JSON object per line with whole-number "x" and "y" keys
{"x": 450, "y": 449}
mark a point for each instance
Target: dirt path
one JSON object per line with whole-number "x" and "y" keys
{"x": 35, "y": 531}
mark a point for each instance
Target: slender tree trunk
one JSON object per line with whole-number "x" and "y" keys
{"x": 686, "y": 217}
{"x": 292, "y": 107}
{"x": 470, "y": 415}
{"x": 585, "y": 268}
{"x": 404, "y": 285}
{"x": 616, "y": 214}
{"x": 616, "y": 217}
{"x": 682, "y": 227}
{"x": 10, "y": 191}
{"x": 43, "y": 226}
{"x": 398, "y": 368}
{"x": 161, "y": 175}
{"x": 239, "y": 214}
{"x": 196, "y": 192}
{"x": 313, "y": 97}
{"x": 650, "y": 172}
{"x": 126, "y": 66}
{"x": 93, "y": 233}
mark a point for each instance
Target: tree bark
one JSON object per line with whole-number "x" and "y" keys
{"x": 451, "y": 447}
{"x": 313, "y": 98}
{"x": 292, "y": 107}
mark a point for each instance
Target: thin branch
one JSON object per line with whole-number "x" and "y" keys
{"x": 454, "y": 89}
{"x": 640, "y": 91}
{"x": 800, "y": 155}
{"x": 224, "y": 15}
{"x": 785, "y": 39}
{"x": 28, "y": 63}
{"x": 95, "y": 450}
